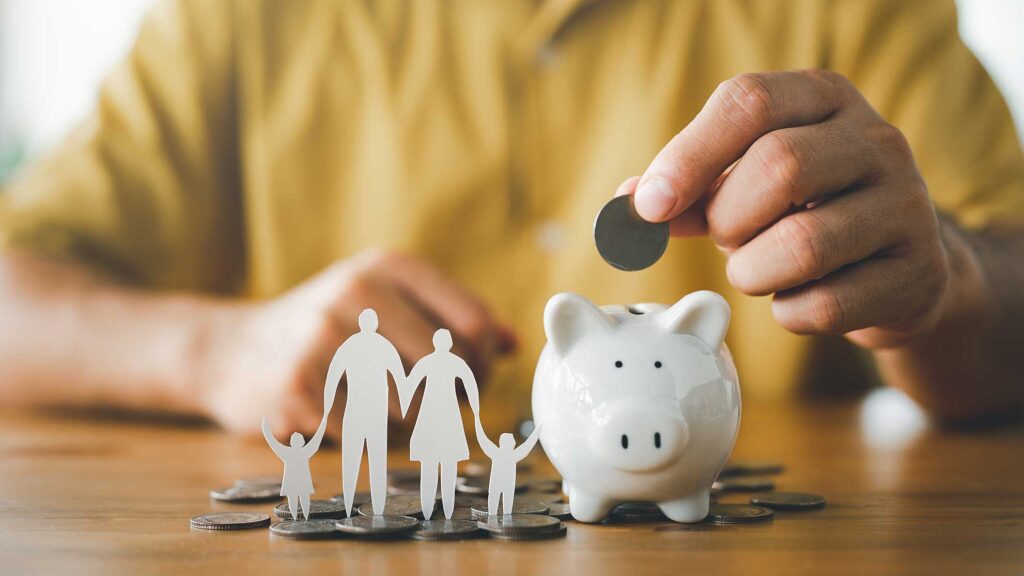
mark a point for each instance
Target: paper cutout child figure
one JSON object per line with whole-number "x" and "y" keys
{"x": 504, "y": 458}
{"x": 297, "y": 482}
{"x": 438, "y": 440}
{"x": 367, "y": 358}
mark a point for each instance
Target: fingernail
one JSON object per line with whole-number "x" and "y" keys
{"x": 654, "y": 199}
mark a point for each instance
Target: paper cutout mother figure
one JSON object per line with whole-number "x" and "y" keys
{"x": 367, "y": 358}
{"x": 438, "y": 439}
{"x": 297, "y": 482}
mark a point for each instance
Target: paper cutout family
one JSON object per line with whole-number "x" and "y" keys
{"x": 438, "y": 441}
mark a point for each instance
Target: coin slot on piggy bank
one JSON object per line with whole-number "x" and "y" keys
{"x": 637, "y": 403}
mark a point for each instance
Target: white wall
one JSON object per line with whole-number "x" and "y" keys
{"x": 54, "y": 53}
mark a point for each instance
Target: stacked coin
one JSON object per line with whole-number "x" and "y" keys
{"x": 230, "y": 521}
{"x": 318, "y": 509}
{"x": 518, "y": 507}
{"x": 305, "y": 529}
{"x": 247, "y": 493}
{"x": 397, "y": 505}
{"x": 438, "y": 530}
{"x": 523, "y": 527}
{"x": 378, "y": 526}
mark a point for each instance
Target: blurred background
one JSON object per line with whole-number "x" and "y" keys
{"x": 55, "y": 53}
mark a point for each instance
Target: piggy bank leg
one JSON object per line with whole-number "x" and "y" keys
{"x": 588, "y": 507}
{"x": 687, "y": 510}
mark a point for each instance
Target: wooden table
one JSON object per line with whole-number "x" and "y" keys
{"x": 87, "y": 495}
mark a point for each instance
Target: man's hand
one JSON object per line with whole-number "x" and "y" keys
{"x": 271, "y": 358}
{"x": 815, "y": 198}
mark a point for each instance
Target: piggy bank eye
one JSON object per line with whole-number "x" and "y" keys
{"x": 618, "y": 363}
{"x": 657, "y": 363}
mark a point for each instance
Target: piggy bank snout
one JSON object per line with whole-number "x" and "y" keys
{"x": 639, "y": 437}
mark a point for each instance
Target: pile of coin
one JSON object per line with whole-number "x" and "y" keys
{"x": 537, "y": 513}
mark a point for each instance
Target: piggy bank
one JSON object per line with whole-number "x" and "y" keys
{"x": 638, "y": 403}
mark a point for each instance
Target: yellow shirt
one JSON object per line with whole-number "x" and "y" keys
{"x": 243, "y": 146}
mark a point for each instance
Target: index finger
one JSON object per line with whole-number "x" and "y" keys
{"x": 741, "y": 110}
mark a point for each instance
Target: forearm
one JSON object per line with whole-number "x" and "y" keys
{"x": 971, "y": 362}
{"x": 71, "y": 337}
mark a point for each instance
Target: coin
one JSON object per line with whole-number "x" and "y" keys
{"x": 518, "y": 507}
{"x": 357, "y": 499}
{"x": 230, "y": 521}
{"x": 471, "y": 485}
{"x": 788, "y": 501}
{"x": 513, "y": 523}
{"x": 636, "y": 512}
{"x": 738, "y": 514}
{"x": 750, "y": 468}
{"x": 559, "y": 532}
{"x": 744, "y": 484}
{"x": 253, "y": 493}
{"x": 262, "y": 481}
{"x": 378, "y": 526}
{"x": 305, "y": 529}
{"x": 317, "y": 509}
{"x": 478, "y": 467}
{"x": 624, "y": 239}
{"x": 559, "y": 510}
{"x": 446, "y": 530}
{"x": 397, "y": 505}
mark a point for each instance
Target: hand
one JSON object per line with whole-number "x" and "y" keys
{"x": 814, "y": 198}
{"x": 272, "y": 357}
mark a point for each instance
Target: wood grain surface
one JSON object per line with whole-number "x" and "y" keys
{"x": 87, "y": 495}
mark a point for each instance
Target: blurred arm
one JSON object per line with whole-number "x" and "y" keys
{"x": 71, "y": 337}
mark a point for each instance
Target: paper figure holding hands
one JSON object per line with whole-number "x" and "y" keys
{"x": 504, "y": 458}
{"x": 297, "y": 482}
{"x": 367, "y": 358}
{"x": 438, "y": 439}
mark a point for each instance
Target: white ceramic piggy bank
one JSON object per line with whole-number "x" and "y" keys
{"x": 638, "y": 403}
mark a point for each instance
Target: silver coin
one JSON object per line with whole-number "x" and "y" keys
{"x": 305, "y": 529}
{"x": 738, "y": 514}
{"x": 320, "y": 509}
{"x": 559, "y": 510}
{"x": 396, "y": 505}
{"x": 512, "y": 523}
{"x": 750, "y": 468}
{"x": 262, "y": 481}
{"x": 518, "y": 507}
{"x": 636, "y": 512}
{"x": 471, "y": 485}
{"x": 624, "y": 239}
{"x": 559, "y": 532}
{"x": 253, "y": 493}
{"x": 230, "y": 521}
{"x": 478, "y": 467}
{"x": 788, "y": 501}
{"x": 743, "y": 484}
{"x": 446, "y": 530}
{"x": 357, "y": 499}
{"x": 378, "y": 526}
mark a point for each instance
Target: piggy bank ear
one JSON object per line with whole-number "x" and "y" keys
{"x": 702, "y": 314}
{"x": 569, "y": 317}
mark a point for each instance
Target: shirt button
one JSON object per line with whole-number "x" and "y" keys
{"x": 545, "y": 57}
{"x": 550, "y": 236}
